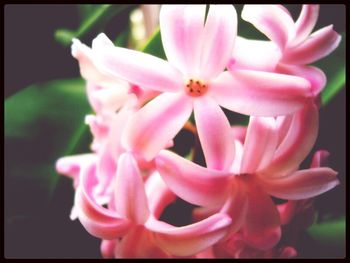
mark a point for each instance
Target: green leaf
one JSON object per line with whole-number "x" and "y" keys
{"x": 93, "y": 18}
{"x": 334, "y": 68}
{"x": 122, "y": 39}
{"x": 42, "y": 123}
{"x": 154, "y": 45}
{"x": 85, "y": 10}
{"x": 329, "y": 233}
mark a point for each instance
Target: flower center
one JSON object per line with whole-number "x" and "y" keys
{"x": 196, "y": 88}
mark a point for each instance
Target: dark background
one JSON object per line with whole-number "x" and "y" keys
{"x": 31, "y": 55}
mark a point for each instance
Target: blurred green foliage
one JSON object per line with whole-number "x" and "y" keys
{"x": 42, "y": 123}
{"x": 92, "y": 16}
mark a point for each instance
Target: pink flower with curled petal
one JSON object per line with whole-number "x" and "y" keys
{"x": 193, "y": 78}
{"x": 292, "y": 46}
{"x": 266, "y": 165}
{"x": 132, "y": 216}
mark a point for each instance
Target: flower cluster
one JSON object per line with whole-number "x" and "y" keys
{"x": 141, "y": 102}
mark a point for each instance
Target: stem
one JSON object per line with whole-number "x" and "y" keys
{"x": 190, "y": 127}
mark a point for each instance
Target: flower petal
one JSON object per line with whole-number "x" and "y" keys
{"x": 255, "y": 55}
{"x": 320, "y": 44}
{"x": 72, "y": 165}
{"x": 107, "y": 248}
{"x": 320, "y": 159}
{"x": 239, "y": 132}
{"x": 158, "y": 193}
{"x": 272, "y": 20}
{"x": 301, "y": 184}
{"x": 283, "y": 125}
{"x": 261, "y": 227}
{"x": 236, "y": 165}
{"x": 181, "y": 28}
{"x": 139, "y": 243}
{"x": 305, "y": 23}
{"x": 136, "y": 67}
{"x": 260, "y": 144}
{"x": 314, "y": 75}
{"x": 108, "y": 99}
{"x": 214, "y": 132}
{"x": 297, "y": 143}
{"x": 218, "y": 40}
{"x": 191, "y": 239}
{"x": 236, "y": 205}
{"x": 130, "y": 196}
{"x": 191, "y": 182}
{"x": 260, "y": 93}
{"x": 97, "y": 220}
{"x": 154, "y": 125}
{"x": 87, "y": 66}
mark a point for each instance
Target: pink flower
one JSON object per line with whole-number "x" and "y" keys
{"x": 193, "y": 78}
{"x": 295, "y": 216}
{"x": 266, "y": 165}
{"x": 132, "y": 216}
{"x": 292, "y": 45}
{"x": 105, "y": 92}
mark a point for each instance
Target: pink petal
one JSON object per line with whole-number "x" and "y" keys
{"x": 191, "y": 182}
{"x": 260, "y": 144}
{"x": 200, "y": 213}
{"x": 297, "y": 143}
{"x": 283, "y": 125}
{"x": 130, "y": 196}
{"x": 136, "y": 67}
{"x": 320, "y": 44}
{"x": 314, "y": 75}
{"x": 260, "y": 93}
{"x": 288, "y": 252}
{"x": 236, "y": 165}
{"x": 255, "y": 55}
{"x": 152, "y": 127}
{"x": 191, "y": 239}
{"x": 320, "y": 159}
{"x": 262, "y": 225}
{"x": 305, "y": 23}
{"x": 158, "y": 193}
{"x": 239, "y": 132}
{"x": 272, "y": 20}
{"x": 214, "y": 132}
{"x": 105, "y": 170}
{"x": 72, "y": 165}
{"x": 87, "y": 66}
{"x": 181, "y": 28}
{"x": 236, "y": 205}
{"x": 218, "y": 40}
{"x": 109, "y": 99}
{"x": 107, "y": 248}
{"x": 97, "y": 220}
{"x": 139, "y": 243}
{"x": 302, "y": 184}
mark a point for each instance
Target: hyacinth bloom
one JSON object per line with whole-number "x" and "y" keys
{"x": 266, "y": 165}
{"x": 141, "y": 102}
{"x": 132, "y": 214}
{"x": 193, "y": 78}
{"x": 291, "y": 47}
